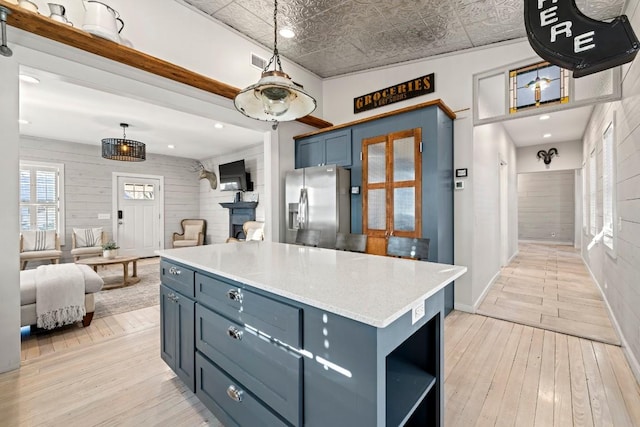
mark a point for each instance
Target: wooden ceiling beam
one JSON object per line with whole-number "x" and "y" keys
{"x": 74, "y": 37}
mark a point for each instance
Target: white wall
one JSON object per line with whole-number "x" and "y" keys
{"x": 617, "y": 274}
{"x": 491, "y": 145}
{"x": 454, "y": 85}
{"x": 88, "y": 185}
{"x": 569, "y": 157}
{"x": 9, "y": 231}
{"x": 218, "y": 217}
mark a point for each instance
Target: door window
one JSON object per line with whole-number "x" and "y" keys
{"x": 392, "y": 187}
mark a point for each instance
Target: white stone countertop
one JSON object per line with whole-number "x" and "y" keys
{"x": 374, "y": 290}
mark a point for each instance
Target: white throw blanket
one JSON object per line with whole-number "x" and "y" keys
{"x": 59, "y": 295}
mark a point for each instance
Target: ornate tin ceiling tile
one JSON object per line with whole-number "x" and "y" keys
{"x": 341, "y": 36}
{"x": 208, "y": 6}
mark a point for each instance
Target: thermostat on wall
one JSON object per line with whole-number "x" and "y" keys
{"x": 459, "y": 185}
{"x": 461, "y": 173}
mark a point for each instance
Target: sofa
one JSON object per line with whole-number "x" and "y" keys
{"x": 92, "y": 282}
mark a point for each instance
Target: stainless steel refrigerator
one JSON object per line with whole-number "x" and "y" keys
{"x": 318, "y": 198}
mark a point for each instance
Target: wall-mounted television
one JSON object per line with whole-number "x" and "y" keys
{"x": 233, "y": 176}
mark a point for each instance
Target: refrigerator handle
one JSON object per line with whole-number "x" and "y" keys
{"x": 303, "y": 208}
{"x": 300, "y": 216}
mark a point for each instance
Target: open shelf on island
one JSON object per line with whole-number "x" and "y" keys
{"x": 411, "y": 379}
{"x": 407, "y": 386}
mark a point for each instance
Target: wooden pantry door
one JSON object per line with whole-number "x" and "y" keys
{"x": 392, "y": 188}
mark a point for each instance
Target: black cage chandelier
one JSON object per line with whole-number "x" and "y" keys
{"x": 275, "y": 98}
{"x": 123, "y": 149}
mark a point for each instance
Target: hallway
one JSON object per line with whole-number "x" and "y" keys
{"x": 549, "y": 287}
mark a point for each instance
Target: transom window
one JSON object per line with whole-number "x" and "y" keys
{"x": 139, "y": 192}
{"x": 538, "y": 84}
{"x": 41, "y": 197}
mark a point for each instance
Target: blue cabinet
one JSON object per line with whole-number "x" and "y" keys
{"x": 332, "y": 148}
{"x": 259, "y": 359}
{"x": 177, "y": 327}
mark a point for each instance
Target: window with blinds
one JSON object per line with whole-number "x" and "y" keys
{"x": 607, "y": 185}
{"x": 41, "y": 196}
{"x": 592, "y": 193}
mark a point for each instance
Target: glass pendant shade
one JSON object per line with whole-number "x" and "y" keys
{"x": 123, "y": 149}
{"x": 274, "y": 98}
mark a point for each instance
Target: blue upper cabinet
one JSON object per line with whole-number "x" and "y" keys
{"x": 332, "y": 148}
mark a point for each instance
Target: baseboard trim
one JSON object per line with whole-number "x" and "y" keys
{"x": 463, "y": 307}
{"x": 484, "y": 292}
{"x": 633, "y": 361}
{"x": 510, "y": 260}
{"x": 548, "y": 242}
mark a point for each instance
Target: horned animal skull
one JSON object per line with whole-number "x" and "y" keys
{"x": 208, "y": 175}
{"x": 547, "y": 155}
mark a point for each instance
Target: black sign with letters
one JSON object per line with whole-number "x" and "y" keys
{"x": 562, "y": 35}
{"x": 392, "y": 94}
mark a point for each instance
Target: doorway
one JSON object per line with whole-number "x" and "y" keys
{"x": 504, "y": 212}
{"x": 138, "y": 212}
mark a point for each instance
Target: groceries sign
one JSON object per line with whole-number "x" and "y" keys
{"x": 396, "y": 93}
{"x": 562, "y": 35}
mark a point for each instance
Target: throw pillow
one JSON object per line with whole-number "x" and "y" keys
{"x": 254, "y": 234}
{"x": 191, "y": 231}
{"x": 88, "y": 237}
{"x": 39, "y": 240}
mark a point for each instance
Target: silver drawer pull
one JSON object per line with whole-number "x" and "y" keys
{"x": 235, "y": 295}
{"x": 234, "y": 333}
{"x": 234, "y": 393}
{"x": 174, "y": 271}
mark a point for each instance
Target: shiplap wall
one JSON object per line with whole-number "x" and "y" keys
{"x": 617, "y": 272}
{"x": 546, "y": 208}
{"x": 218, "y": 217}
{"x": 88, "y": 184}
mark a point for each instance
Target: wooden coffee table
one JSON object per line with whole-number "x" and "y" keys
{"x": 124, "y": 260}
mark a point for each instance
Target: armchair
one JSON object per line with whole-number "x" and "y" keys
{"x": 38, "y": 245}
{"x": 193, "y": 232}
{"x": 87, "y": 242}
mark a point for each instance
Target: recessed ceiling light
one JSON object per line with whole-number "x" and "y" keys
{"x": 171, "y": 146}
{"x": 545, "y": 117}
{"x": 28, "y": 79}
{"x": 218, "y": 126}
{"x": 287, "y": 33}
{"x": 24, "y": 122}
{"x": 546, "y": 135}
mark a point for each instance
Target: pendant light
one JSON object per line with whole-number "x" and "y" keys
{"x": 123, "y": 149}
{"x": 537, "y": 86}
{"x": 275, "y": 98}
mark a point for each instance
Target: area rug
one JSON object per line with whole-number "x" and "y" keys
{"x": 143, "y": 294}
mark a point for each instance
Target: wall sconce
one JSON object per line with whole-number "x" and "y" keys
{"x": 547, "y": 155}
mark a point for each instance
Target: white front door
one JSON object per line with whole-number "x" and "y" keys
{"x": 138, "y": 228}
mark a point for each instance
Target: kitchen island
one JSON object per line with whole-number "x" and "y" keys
{"x": 275, "y": 334}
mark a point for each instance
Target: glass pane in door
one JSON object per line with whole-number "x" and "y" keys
{"x": 404, "y": 209}
{"x": 377, "y": 210}
{"x": 404, "y": 168}
{"x": 376, "y": 160}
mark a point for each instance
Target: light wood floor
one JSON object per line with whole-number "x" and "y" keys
{"x": 549, "y": 287}
{"x": 496, "y": 373}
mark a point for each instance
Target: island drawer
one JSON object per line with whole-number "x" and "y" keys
{"x": 272, "y": 372}
{"x": 219, "y": 392}
{"x": 276, "y": 319}
{"x": 177, "y": 277}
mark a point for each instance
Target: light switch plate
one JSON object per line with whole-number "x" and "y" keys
{"x": 459, "y": 185}
{"x": 417, "y": 312}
